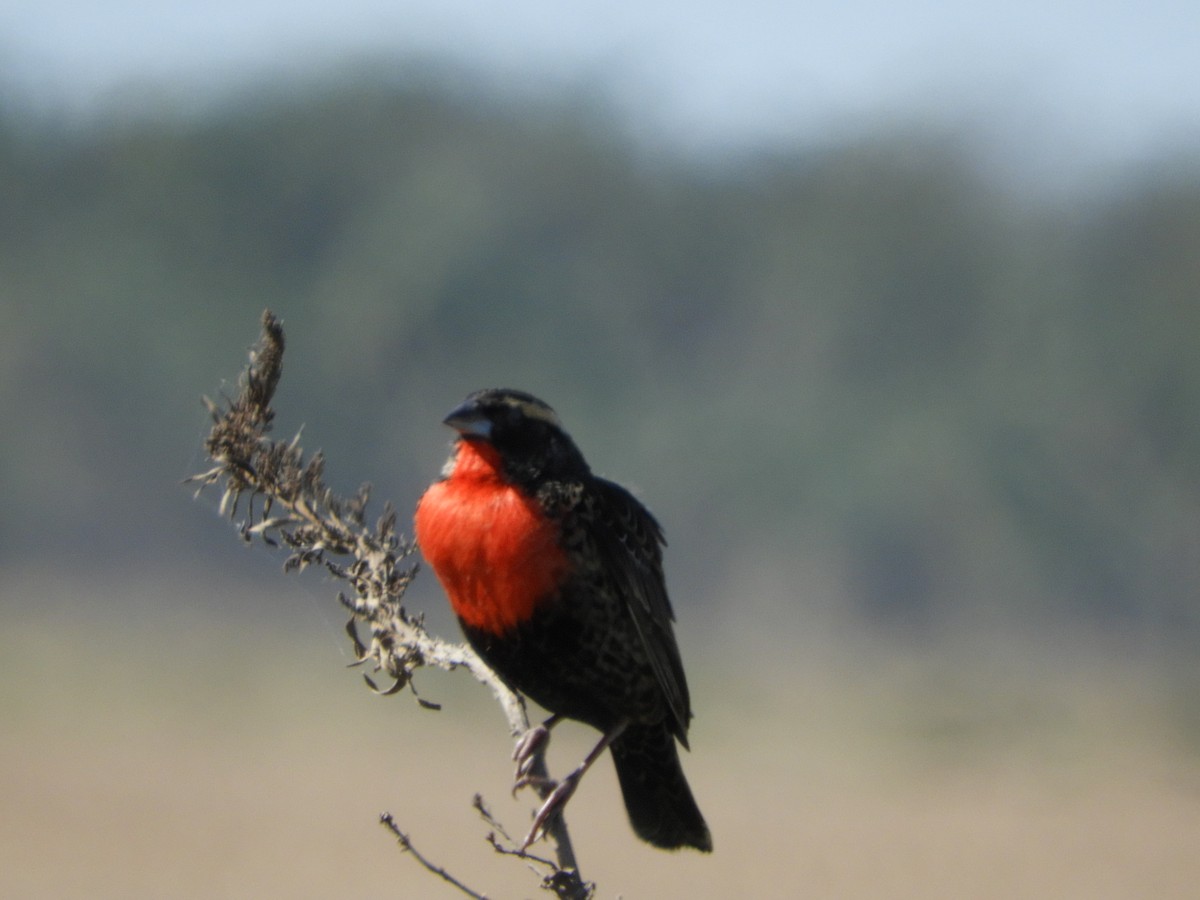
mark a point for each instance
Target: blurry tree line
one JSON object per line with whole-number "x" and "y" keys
{"x": 955, "y": 400}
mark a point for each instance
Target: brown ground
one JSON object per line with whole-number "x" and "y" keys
{"x": 218, "y": 766}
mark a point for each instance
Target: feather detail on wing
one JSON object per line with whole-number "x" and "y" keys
{"x": 631, "y": 541}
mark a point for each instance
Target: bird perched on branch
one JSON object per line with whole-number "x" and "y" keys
{"x": 556, "y": 577}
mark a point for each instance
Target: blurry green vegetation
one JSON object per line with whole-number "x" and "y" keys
{"x": 864, "y": 379}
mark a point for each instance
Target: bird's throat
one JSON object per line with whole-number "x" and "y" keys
{"x": 492, "y": 547}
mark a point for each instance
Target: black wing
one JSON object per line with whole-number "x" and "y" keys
{"x": 631, "y": 541}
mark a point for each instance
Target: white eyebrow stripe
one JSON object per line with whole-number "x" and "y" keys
{"x": 534, "y": 410}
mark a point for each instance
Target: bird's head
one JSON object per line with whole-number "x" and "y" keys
{"x": 523, "y": 430}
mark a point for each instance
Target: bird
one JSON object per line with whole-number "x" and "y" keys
{"x": 555, "y": 575}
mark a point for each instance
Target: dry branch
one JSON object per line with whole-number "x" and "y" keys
{"x": 297, "y": 510}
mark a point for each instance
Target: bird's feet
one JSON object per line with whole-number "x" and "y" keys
{"x": 561, "y": 793}
{"x": 551, "y": 807}
{"x": 529, "y": 748}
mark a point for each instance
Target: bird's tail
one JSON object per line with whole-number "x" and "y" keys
{"x": 660, "y": 804}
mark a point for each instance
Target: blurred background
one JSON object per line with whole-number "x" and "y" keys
{"x": 890, "y": 312}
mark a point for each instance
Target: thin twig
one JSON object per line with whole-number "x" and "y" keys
{"x": 406, "y": 844}
{"x": 564, "y": 882}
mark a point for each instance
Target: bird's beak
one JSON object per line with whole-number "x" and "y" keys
{"x": 469, "y": 421}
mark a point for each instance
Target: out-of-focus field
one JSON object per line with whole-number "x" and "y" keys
{"x": 147, "y": 753}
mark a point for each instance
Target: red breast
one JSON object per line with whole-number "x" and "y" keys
{"x": 494, "y": 550}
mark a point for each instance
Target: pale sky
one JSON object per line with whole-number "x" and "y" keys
{"x": 1110, "y": 80}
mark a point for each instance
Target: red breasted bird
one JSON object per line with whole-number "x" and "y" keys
{"x": 556, "y": 577}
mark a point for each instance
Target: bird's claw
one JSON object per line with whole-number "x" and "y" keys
{"x": 526, "y": 753}
{"x": 524, "y": 781}
{"x": 528, "y": 745}
{"x": 552, "y": 806}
